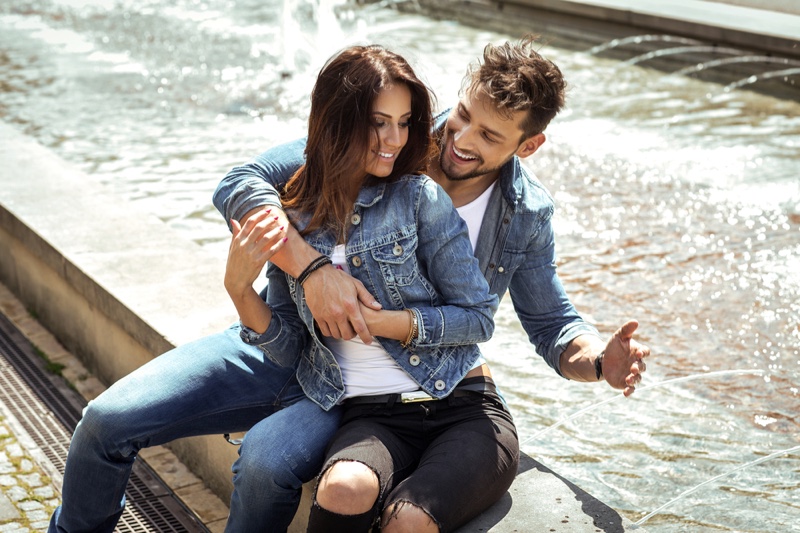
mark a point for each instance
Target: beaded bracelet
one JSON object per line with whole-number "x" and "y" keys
{"x": 315, "y": 265}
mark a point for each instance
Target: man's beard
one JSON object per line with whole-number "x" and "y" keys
{"x": 478, "y": 172}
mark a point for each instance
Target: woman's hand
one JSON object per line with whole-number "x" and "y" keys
{"x": 251, "y": 247}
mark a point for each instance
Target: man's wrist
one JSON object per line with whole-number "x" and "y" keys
{"x": 598, "y": 365}
{"x": 295, "y": 255}
{"x": 312, "y": 267}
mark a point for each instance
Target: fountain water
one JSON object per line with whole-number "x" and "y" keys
{"x": 639, "y": 390}
{"x": 681, "y": 50}
{"x": 783, "y": 73}
{"x": 764, "y": 60}
{"x": 739, "y": 468}
{"x": 638, "y": 39}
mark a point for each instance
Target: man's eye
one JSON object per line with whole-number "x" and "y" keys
{"x": 488, "y": 138}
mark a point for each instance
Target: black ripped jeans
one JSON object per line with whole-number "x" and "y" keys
{"x": 453, "y": 458}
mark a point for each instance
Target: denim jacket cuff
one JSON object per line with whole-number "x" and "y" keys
{"x": 567, "y": 337}
{"x": 253, "y": 338}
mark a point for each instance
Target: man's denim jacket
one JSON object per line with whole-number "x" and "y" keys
{"x": 411, "y": 250}
{"x": 515, "y": 249}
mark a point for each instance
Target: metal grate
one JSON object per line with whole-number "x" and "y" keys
{"x": 49, "y": 411}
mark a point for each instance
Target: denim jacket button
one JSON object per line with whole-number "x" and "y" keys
{"x": 501, "y": 270}
{"x": 356, "y": 261}
{"x": 439, "y": 385}
{"x": 355, "y": 219}
{"x": 414, "y": 360}
{"x": 397, "y": 250}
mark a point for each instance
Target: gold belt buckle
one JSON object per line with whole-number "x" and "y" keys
{"x": 416, "y": 396}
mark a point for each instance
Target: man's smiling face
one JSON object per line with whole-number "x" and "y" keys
{"x": 477, "y": 139}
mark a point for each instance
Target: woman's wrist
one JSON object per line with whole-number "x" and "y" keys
{"x": 413, "y": 331}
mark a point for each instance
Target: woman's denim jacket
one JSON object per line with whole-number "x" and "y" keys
{"x": 410, "y": 249}
{"x": 515, "y": 249}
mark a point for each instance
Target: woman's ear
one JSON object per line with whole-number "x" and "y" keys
{"x": 530, "y": 145}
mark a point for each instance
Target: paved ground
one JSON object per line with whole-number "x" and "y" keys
{"x": 27, "y": 494}
{"x": 30, "y": 484}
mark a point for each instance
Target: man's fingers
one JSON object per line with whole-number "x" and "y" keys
{"x": 360, "y": 328}
{"x": 627, "y": 330}
{"x": 365, "y": 298}
{"x": 325, "y": 330}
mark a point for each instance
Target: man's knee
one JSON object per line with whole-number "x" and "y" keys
{"x": 348, "y": 488}
{"x": 406, "y": 517}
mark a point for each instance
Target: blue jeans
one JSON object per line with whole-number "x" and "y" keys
{"x": 214, "y": 385}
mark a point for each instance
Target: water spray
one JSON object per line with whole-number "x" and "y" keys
{"x": 640, "y": 389}
{"x": 711, "y": 480}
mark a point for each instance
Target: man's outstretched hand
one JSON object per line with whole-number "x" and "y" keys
{"x": 623, "y": 361}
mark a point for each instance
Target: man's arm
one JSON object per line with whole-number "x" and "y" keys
{"x": 569, "y": 344}
{"x": 331, "y": 295}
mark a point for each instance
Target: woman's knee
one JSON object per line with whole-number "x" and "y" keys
{"x": 348, "y": 488}
{"x": 406, "y": 517}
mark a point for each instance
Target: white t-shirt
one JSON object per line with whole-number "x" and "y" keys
{"x": 369, "y": 370}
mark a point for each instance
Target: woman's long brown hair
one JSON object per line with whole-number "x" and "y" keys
{"x": 340, "y": 128}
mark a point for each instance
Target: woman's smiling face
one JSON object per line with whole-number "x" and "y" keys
{"x": 390, "y": 116}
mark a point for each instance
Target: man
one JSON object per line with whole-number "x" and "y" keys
{"x": 219, "y": 384}
{"x": 500, "y": 119}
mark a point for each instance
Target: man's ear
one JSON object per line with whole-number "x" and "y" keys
{"x": 530, "y": 145}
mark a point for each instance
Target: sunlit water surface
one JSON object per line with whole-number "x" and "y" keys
{"x": 678, "y": 205}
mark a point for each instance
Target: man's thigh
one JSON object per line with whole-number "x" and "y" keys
{"x": 291, "y": 441}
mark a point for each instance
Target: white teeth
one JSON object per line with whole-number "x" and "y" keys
{"x": 384, "y": 154}
{"x": 463, "y": 156}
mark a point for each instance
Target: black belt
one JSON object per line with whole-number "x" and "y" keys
{"x": 467, "y": 387}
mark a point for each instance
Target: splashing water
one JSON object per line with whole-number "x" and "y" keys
{"x": 639, "y": 390}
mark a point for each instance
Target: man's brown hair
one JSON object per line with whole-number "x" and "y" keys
{"x": 515, "y": 77}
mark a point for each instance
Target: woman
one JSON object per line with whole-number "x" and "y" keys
{"x": 357, "y": 203}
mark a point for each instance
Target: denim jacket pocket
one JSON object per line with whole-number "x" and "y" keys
{"x": 397, "y": 260}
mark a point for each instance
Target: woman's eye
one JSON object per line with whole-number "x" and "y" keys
{"x": 405, "y": 124}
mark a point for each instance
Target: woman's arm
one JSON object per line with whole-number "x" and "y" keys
{"x": 281, "y": 334}
{"x": 252, "y": 188}
{"x": 445, "y": 254}
{"x": 251, "y": 247}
